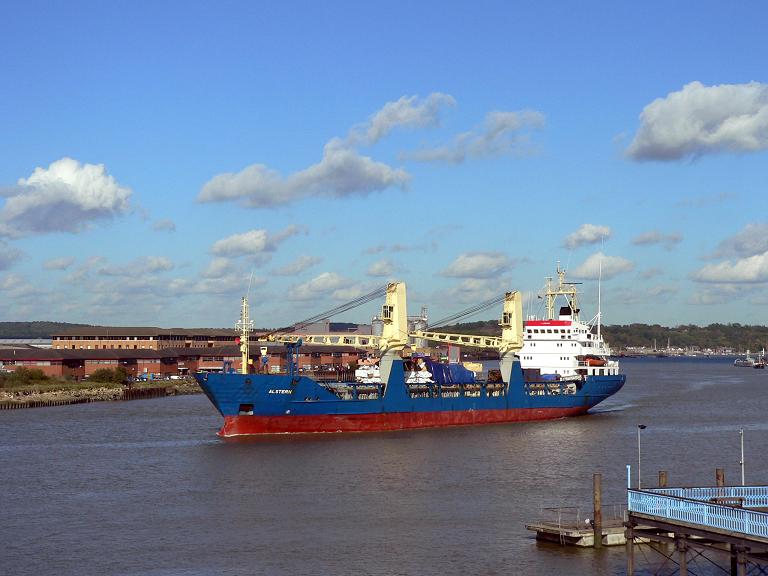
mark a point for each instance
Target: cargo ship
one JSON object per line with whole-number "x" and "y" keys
{"x": 408, "y": 391}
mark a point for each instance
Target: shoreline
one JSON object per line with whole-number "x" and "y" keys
{"x": 30, "y": 398}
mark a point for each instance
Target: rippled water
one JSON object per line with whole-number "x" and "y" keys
{"x": 145, "y": 488}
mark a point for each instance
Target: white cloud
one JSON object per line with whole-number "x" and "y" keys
{"x": 478, "y": 265}
{"x": 472, "y": 291}
{"x": 651, "y": 273}
{"x": 82, "y": 273}
{"x": 706, "y": 200}
{"x": 611, "y": 267}
{"x": 59, "y": 263}
{"x": 253, "y": 243}
{"x": 381, "y": 268}
{"x": 703, "y": 119}
{"x": 407, "y": 111}
{"x": 325, "y": 284}
{"x": 751, "y": 241}
{"x": 586, "y": 235}
{"x": 341, "y": 173}
{"x": 139, "y": 267}
{"x": 653, "y": 237}
{"x": 502, "y": 133}
{"x": 751, "y": 269}
{"x": 64, "y": 197}
{"x": 164, "y": 225}
{"x": 297, "y": 266}
{"x": 8, "y": 255}
{"x": 396, "y": 248}
{"x": 219, "y": 268}
{"x": 716, "y": 294}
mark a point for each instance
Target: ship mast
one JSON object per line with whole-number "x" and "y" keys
{"x": 244, "y": 325}
{"x": 567, "y": 289}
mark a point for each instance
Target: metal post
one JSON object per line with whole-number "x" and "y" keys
{"x": 741, "y": 462}
{"x": 639, "y": 427}
{"x": 662, "y": 478}
{"x": 597, "y": 522}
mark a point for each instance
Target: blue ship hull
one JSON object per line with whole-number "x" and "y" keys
{"x": 273, "y": 404}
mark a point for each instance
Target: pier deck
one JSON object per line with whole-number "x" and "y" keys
{"x": 730, "y": 520}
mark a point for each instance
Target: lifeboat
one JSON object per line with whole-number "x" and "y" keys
{"x": 593, "y": 361}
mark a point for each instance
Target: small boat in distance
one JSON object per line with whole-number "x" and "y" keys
{"x": 747, "y": 362}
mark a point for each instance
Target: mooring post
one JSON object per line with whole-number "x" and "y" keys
{"x": 720, "y": 477}
{"x": 741, "y": 562}
{"x": 597, "y": 522}
{"x": 630, "y": 548}
{"x": 662, "y": 478}
{"x": 682, "y": 549}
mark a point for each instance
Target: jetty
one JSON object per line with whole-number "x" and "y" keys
{"x": 727, "y": 524}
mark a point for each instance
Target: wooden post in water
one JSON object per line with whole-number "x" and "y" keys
{"x": 597, "y": 522}
{"x": 662, "y": 478}
{"x": 720, "y": 477}
{"x": 682, "y": 550}
{"x": 630, "y": 550}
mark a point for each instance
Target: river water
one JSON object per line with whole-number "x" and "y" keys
{"x": 146, "y": 488}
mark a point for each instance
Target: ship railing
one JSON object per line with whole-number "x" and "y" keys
{"x": 731, "y": 508}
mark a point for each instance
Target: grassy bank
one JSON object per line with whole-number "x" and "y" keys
{"x": 32, "y": 386}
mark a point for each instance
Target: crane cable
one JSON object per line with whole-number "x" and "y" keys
{"x": 359, "y": 301}
{"x": 477, "y": 308}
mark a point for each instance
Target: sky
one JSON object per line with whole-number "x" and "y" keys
{"x": 159, "y": 160}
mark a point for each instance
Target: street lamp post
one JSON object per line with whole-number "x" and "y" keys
{"x": 741, "y": 462}
{"x": 639, "y": 427}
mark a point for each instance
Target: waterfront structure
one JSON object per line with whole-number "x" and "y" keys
{"x": 81, "y": 363}
{"x": 729, "y": 522}
{"x": 153, "y": 338}
{"x": 140, "y": 338}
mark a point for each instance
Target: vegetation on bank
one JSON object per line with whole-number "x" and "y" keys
{"x": 34, "y": 381}
{"x": 35, "y": 329}
{"x": 738, "y": 337}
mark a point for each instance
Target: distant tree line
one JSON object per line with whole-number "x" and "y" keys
{"x": 739, "y": 337}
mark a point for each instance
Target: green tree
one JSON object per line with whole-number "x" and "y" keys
{"x": 110, "y": 375}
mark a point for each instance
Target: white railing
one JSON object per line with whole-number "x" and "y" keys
{"x": 693, "y": 506}
{"x": 753, "y": 496}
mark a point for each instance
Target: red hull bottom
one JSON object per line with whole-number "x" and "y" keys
{"x": 246, "y": 425}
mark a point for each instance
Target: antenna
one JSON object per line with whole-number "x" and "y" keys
{"x": 599, "y": 296}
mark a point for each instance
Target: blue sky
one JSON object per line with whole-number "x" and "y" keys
{"x": 155, "y": 155}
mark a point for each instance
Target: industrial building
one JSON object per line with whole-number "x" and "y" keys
{"x": 80, "y": 363}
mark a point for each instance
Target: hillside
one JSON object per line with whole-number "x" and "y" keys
{"x": 736, "y": 336}
{"x": 34, "y": 329}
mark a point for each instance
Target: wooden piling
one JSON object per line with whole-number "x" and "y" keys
{"x": 720, "y": 477}
{"x": 662, "y": 478}
{"x": 630, "y": 549}
{"x": 597, "y": 522}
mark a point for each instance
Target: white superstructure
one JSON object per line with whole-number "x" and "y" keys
{"x": 562, "y": 344}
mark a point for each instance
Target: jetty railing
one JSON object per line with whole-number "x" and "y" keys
{"x": 729, "y": 508}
